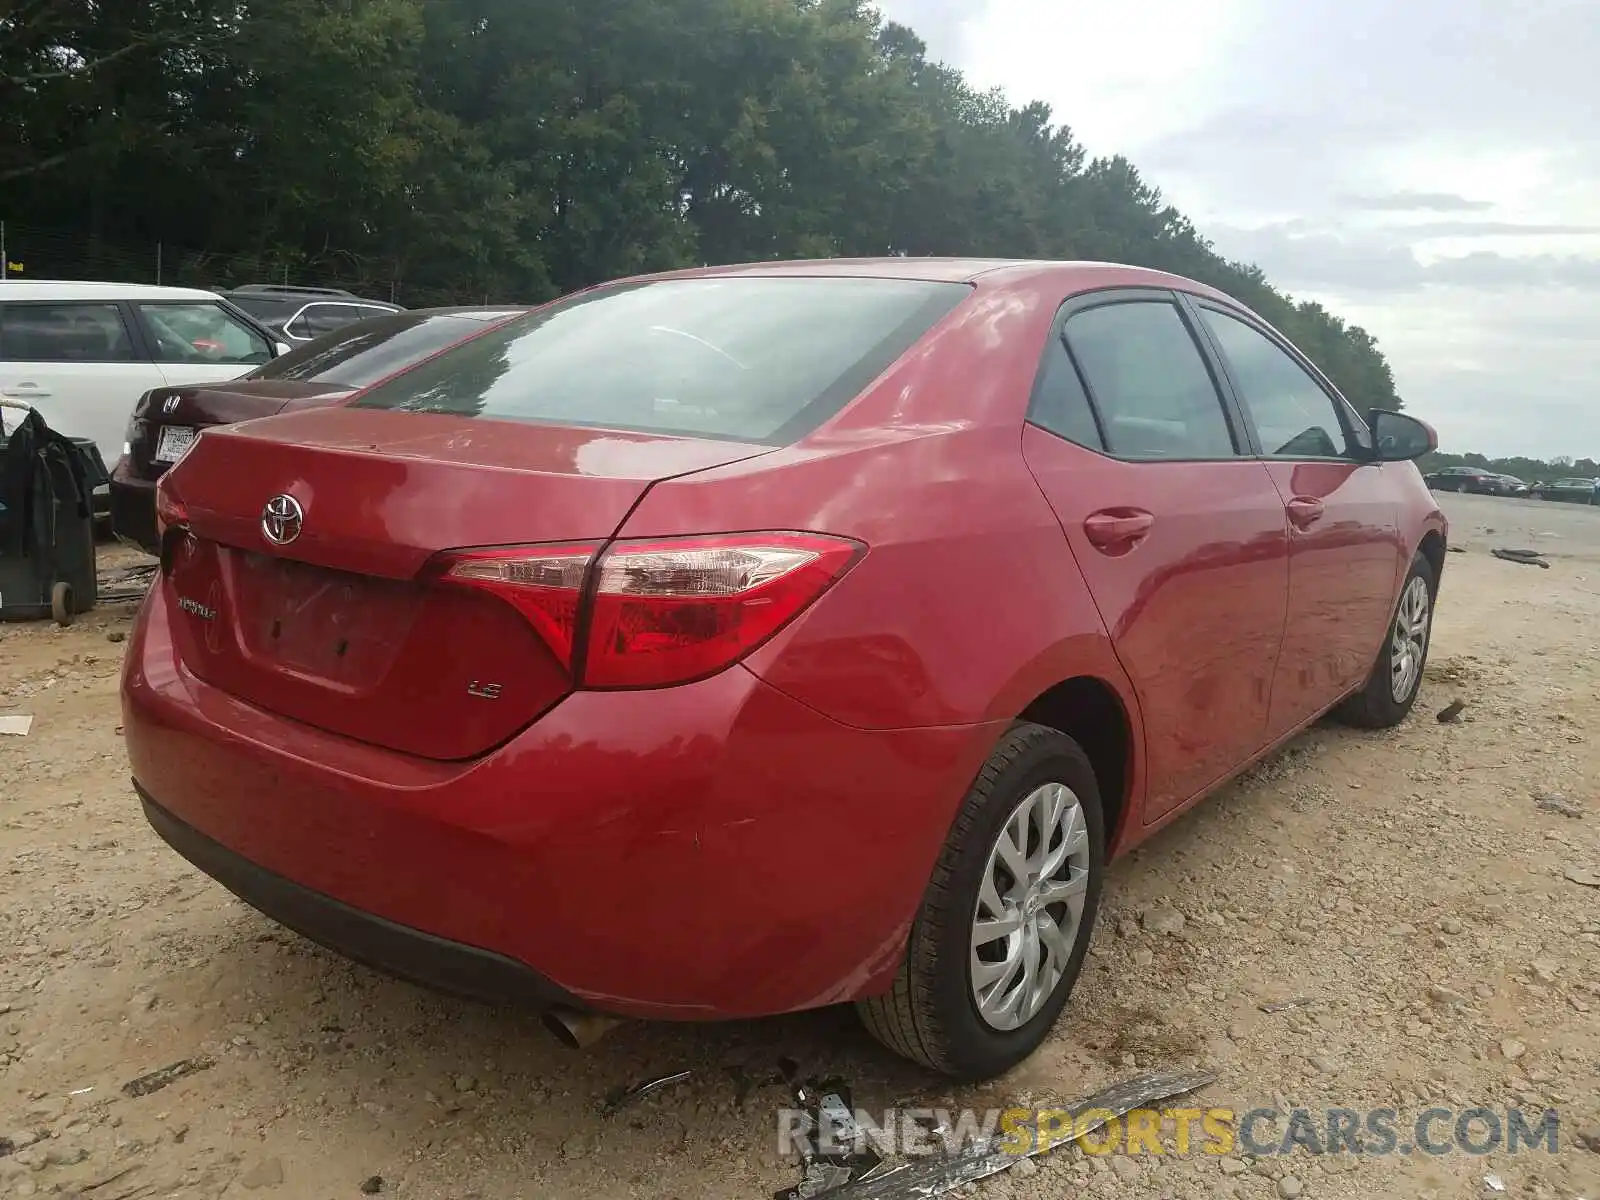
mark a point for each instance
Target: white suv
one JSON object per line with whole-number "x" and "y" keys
{"x": 83, "y": 353}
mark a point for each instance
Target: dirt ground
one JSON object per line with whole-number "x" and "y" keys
{"x": 1412, "y": 884}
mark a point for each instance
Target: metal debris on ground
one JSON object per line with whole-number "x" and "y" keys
{"x": 1287, "y": 1005}
{"x": 1494, "y": 1183}
{"x": 131, "y": 583}
{"x": 934, "y": 1176}
{"x": 1531, "y": 558}
{"x": 1554, "y": 802}
{"x": 619, "y": 1098}
{"x": 828, "y": 1120}
{"x": 16, "y": 725}
{"x": 156, "y": 1080}
{"x": 1451, "y": 711}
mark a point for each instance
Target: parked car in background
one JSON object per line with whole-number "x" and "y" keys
{"x": 921, "y": 586}
{"x": 1571, "y": 491}
{"x": 167, "y": 420}
{"x": 1514, "y": 486}
{"x": 302, "y": 314}
{"x": 1469, "y": 479}
{"x": 83, "y": 353}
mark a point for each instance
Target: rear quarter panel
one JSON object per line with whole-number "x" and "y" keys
{"x": 968, "y": 603}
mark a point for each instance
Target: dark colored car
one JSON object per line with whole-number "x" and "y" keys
{"x": 1570, "y": 491}
{"x": 167, "y": 420}
{"x": 759, "y": 638}
{"x": 303, "y": 314}
{"x": 1471, "y": 479}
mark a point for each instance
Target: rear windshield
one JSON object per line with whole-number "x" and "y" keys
{"x": 362, "y": 353}
{"x": 754, "y": 359}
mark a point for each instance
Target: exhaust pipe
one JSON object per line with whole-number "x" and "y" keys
{"x": 577, "y": 1030}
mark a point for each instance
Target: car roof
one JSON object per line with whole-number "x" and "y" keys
{"x": 73, "y": 289}
{"x": 492, "y": 312}
{"x": 1077, "y": 275}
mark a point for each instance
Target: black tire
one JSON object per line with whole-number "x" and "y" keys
{"x": 930, "y": 1016}
{"x": 1374, "y": 706}
{"x": 61, "y": 606}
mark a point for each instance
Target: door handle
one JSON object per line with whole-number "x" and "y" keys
{"x": 1304, "y": 512}
{"x": 1117, "y": 530}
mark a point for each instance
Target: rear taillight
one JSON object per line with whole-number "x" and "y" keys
{"x": 170, "y": 511}
{"x": 656, "y": 612}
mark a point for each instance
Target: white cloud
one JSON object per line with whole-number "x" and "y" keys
{"x": 1429, "y": 170}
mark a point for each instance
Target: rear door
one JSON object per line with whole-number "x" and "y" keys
{"x": 1345, "y": 555}
{"x": 1179, "y": 533}
{"x": 78, "y": 364}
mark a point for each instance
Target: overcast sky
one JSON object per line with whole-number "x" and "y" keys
{"x": 1428, "y": 169}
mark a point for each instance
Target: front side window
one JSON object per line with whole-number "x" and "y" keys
{"x": 63, "y": 333}
{"x": 202, "y": 332}
{"x": 1294, "y": 416}
{"x": 1149, "y": 382}
{"x": 751, "y": 358}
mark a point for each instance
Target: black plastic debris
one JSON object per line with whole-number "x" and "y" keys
{"x": 836, "y": 1152}
{"x": 156, "y": 1080}
{"x": 372, "y": 1185}
{"x": 1531, "y": 558}
{"x": 936, "y": 1175}
{"x": 1451, "y": 711}
{"x": 620, "y": 1098}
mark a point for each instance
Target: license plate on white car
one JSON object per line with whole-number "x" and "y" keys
{"x": 174, "y": 443}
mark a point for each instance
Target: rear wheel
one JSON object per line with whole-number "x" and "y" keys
{"x": 1396, "y": 677}
{"x": 1000, "y": 937}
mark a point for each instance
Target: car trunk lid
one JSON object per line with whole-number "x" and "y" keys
{"x": 341, "y": 626}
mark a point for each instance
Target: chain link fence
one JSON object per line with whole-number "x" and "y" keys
{"x": 32, "y": 252}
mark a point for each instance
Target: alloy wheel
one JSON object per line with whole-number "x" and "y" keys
{"x": 1409, "y": 643}
{"x": 1030, "y": 905}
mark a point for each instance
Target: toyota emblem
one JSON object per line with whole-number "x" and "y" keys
{"x": 281, "y": 520}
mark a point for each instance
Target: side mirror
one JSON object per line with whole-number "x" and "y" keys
{"x": 1399, "y": 438}
{"x": 281, "y": 349}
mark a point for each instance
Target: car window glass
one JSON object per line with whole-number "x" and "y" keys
{"x": 202, "y": 332}
{"x": 362, "y": 353}
{"x": 1155, "y": 397}
{"x": 63, "y": 333}
{"x": 1059, "y": 402}
{"x": 751, "y": 359}
{"x": 1294, "y": 416}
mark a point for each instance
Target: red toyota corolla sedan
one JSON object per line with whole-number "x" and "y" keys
{"x": 758, "y": 638}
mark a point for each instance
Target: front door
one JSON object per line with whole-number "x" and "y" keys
{"x": 1346, "y": 561}
{"x": 199, "y": 341}
{"x": 1180, "y": 537}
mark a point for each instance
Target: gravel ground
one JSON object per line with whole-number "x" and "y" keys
{"x": 1412, "y": 884}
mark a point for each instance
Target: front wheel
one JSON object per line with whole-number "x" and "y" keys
{"x": 1002, "y": 930}
{"x": 1396, "y": 677}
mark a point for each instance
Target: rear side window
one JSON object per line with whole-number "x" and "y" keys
{"x": 64, "y": 333}
{"x": 1059, "y": 402}
{"x": 763, "y": 359}
{"x": 363, "y": 353}
{"x": 1153, "y": 391}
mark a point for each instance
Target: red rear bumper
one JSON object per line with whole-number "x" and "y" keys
{"x": 713, "y": 850}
